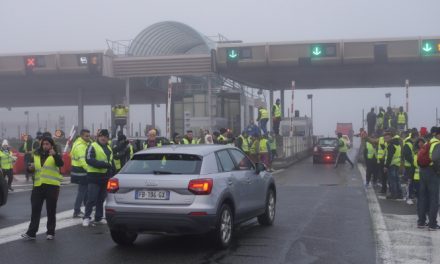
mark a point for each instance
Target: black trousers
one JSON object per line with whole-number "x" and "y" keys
{"x": 276, "y": 125}
{"x": 383, "y": 177}
{"x": 9, "y": 173}
{"x": 371, "y": 170}
{"x": 428, "y": 197}
{"x": 48, "y": 193}
{"x": 342, "y": 156}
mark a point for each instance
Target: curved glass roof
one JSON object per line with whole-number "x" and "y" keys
{"x": 169, "y": 38}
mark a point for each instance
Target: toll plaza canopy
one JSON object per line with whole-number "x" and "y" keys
{"x": 175, "y": 49}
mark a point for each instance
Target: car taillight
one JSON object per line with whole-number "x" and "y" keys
{"x": 112, "y": 185}
{"x": 200, "y": 186}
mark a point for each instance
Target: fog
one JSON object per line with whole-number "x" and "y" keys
{"x": 49, "y": 25}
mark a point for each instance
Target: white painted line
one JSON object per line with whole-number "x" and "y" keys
{"x": 12, "y": 233}
{"x": 384, "y": 253}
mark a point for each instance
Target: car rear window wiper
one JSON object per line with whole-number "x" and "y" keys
{"x": 165, "y": 172}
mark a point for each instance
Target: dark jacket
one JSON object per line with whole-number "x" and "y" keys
{"x": 371, "y": 119}
{"x": 391, "y": 149}
{"x": 44, "y": 155}
{"x": 95, "y": 177}
{"x": 121, "y": 151}
{"x": 408, "y": 154}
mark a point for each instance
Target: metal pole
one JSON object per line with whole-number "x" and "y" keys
{"x": 311, "y": 111}
{"x": 291, "y": 109}
{"x": 436, "y": 116}
{"x": 153, "y": 115}
{"x": 170, "y": 88}
{"x": 210, "y": 104}
{"x": 407, "y": 95}
{"x": 80, "y": 109}
{"x": 363, "y": 117}
{"x": 127, "y": 103}
{"x": 38, "y": 121}
{"x": 270, "y": 111}
{"x": 389, "y": 101}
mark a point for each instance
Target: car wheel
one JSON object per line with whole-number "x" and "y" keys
{"x": 224, "y": 228}
{"x": 268, "y": 217}
{"x": 123, "y": 238}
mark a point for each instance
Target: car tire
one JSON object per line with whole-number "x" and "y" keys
{"x": 224, "y": 229}
{"x": 123, "y": 238}
{"x": 268, "y": 217}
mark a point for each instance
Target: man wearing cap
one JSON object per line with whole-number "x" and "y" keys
{"x": 428, "y": 201}
{"x": 100, "y": 169}
{"x": 7, "y": 160}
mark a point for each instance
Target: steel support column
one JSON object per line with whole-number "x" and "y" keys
{"x": 80, "y": 109}
{"x": 127, "y": 103}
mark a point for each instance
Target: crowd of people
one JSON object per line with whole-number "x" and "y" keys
{"x": 97, "y": 158}
{"x": 404, "y": 163}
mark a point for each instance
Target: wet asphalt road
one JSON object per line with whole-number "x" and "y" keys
{"x": 322, "y": 217}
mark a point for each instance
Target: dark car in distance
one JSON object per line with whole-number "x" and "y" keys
{"x": 325, "y": 150}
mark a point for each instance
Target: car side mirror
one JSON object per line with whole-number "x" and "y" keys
{"x": 259, "y": 167}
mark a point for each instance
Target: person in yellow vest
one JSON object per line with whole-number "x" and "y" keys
{"x": 78, "y": 174}
{"x": 428, "y": 201}
{"x": 264, "y": 150}
{"x": 371, "y": 163}
{"x": 120, "y": 113}
{"x": 381, "y": 147}
{"x": 380, "y": 120}
{"x": 224, "y": 138}
{"x": 122, "y": 152}
{"x": 254, "y": 150}
{"x": 152, "y": 140}
{"x": 408, "y": 159}
{"x": 402, "y": 119}
{"x": 7, "y": 160}
{"x": 47, "y": 181}
{"x": 263, "y": 118}
{"x": 342, "y": 152}
{"x": 242, "y": 142}
{"x": 100, "y": 169}
{"x": 273, "y": 148}
{"x": 189, "y": 139}
{"x": 393, "y": 162}
{"x": 276, "y": 116}
{"x": 416, "y": 180}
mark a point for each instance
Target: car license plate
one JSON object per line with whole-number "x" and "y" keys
{"x": 152, "y": 195}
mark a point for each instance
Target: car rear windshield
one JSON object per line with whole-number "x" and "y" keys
{"x": 163, "y": 164}
{"x": 328, "y": 142}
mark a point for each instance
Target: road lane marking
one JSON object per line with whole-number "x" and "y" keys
{"x": 12, "y": 233}
{"x": 278, "y": 171}
{"x": 384, "y": 253}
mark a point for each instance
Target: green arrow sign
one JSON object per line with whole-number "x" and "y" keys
{"x": 233, "y": 54}
{"x": 427, "y": 47}
{"x": 316, "y": 51}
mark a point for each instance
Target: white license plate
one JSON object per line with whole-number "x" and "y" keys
{"x": 152, "y": 195}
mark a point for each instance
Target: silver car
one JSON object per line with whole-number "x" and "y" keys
{"x": 188, "y": 189}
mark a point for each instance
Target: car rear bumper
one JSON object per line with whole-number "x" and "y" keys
{"x": 325, "y": 157}
{"x": 161, "y": 223}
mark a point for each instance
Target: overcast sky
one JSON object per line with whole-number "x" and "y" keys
{"x": 55, "y": 25}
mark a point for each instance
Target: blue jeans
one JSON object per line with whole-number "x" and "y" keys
{"x": 263, "y": 125}
{"x": 394, "y": 181}
{"x": 96, "y": 194}
{"x": 81, "y": 198}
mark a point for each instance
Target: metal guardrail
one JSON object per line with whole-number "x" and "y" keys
{"x": 295, "y": 145}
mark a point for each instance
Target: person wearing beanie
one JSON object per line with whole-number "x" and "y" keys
{"x": 46, "y": 165}
{"x": 101, "y": 168}
{"x": 7, "y": 160}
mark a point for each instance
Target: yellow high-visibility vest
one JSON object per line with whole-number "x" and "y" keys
{"x": 371, "y": 151}
{"x": 120, "y": 112}
{"x": 244, "y": 144}
{"x": 343, "y": 148}
{"x": 6, "y": 160}
{"x": 264, "y": 114}
{"x": 401, "y": 118}
{"x": 49, "y": 173}
{"x": 417, "y": 169}
{"x": 263, "y": 146}
{"x": 101, "y": 156}
{"x": 277, "y": 110}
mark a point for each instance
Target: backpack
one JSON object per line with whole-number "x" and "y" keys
{"x": 423, "y": 158}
